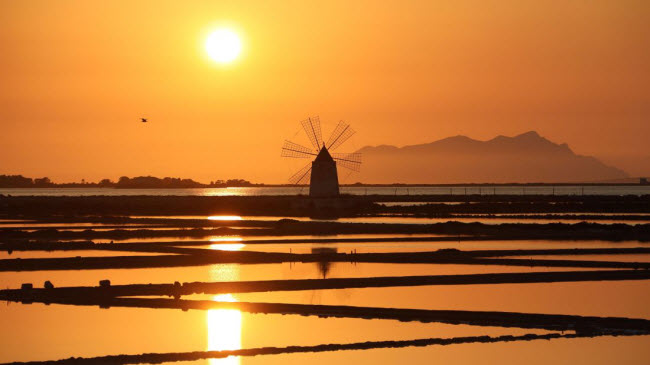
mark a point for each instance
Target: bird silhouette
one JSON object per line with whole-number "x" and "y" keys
{"x": 143, "y": 120}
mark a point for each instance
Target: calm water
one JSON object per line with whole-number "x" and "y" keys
{"x": 126, "y": 330}
{"x": 387, "y": 220}
{"x": 42, "y": 332}
{"x": 234, "y": 272}
{"x": 428, "y": 190}
{"x": 478, "y": 218}
{"x": 50, "y": 332}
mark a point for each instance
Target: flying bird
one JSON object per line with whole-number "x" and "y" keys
{"x": 143, "y": 120}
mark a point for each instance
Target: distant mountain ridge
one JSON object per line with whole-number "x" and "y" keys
{"x": 527, "y": 157}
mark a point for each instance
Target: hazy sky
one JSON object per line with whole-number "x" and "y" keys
{"x": 75, "y": 76}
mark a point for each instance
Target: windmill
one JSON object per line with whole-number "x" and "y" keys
{"x": 321, "y": 173}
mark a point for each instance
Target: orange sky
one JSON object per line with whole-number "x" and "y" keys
{"x": 76, "y": 76}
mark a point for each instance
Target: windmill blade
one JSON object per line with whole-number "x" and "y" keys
{"x": 302, "y": 176}
{"x": 341, "y": 134}
{"x": 351, "y": 161}
{"x": 312, "y": 128}
{"x": 295, "y": 150}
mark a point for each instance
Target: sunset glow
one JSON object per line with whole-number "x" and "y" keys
{"x": 217, "y": 78}
{"x": 325, "y": 182}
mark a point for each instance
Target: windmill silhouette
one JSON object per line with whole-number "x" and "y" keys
{"x": 321, "y": 173}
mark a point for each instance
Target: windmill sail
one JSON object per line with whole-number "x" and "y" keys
{"x": 351, "y": 161}
{"x": 302, "y": 176}
{"x": 312, "y": 128}
{"x": 341, "y": 134}
{"x": 295, "y": 150}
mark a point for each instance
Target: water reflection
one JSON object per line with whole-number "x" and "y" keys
{"x": 227, "y": 246}
{"x": 324, "y": 266}
{"x": 225, "y": 218}
{"x": 224, "y": 330}
{"x": 226, "y": 239}
{"x": 224, "y": 325}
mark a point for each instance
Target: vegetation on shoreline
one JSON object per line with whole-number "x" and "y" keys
{"x": 151, "y": 182}
{"x": 124, "y": 182}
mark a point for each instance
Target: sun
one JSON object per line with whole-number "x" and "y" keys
{"x": 223, "y": 45}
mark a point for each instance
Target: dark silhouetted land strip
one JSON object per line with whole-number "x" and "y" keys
{"x": 524, "y": 217}
{"x": 287, "y": 227}
{"x": 178, "y": 247}
{"x": 51, "y": 295}
{"x": 47, "y": 245}
{"x": 197, "y": 257}
{"x": 157, "y": 358}
{"x": 347, "y": 206}
{"x": 551, "y": 322}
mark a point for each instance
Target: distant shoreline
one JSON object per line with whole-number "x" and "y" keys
{"x": 397, "y": 185}
{"x": 151, "y": 182}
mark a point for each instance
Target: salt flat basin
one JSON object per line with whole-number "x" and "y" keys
{"x": 4, "y": 255}
{"x": 40, "y": 332}
{"x": 66, "y": 329}
{"x": 599, "y": 351}
{"x": 388, "y": 246}
{"x": 65, "y": 225}
{"x": 127, "y": 228}
{"x": 621, "y": 258}
{"x": 169, "y": 330}
{"x": 485, "y": 219}
{"x": 604, "y": 298}
{"x": 240, "y": 238}
{"x": 237, "y": 272}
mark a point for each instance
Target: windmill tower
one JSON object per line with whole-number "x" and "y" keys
{"x": 321, "y": 173}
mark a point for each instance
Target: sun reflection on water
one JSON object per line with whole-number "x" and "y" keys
{"x": 224, "y": 330}
{"x": 226, "y": 246}
{"x": 226, "y": 239}
{"x": 224, "y": 325}
{"x": 225, "y": 218}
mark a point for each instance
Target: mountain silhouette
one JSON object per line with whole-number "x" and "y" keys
{"x": 525, "y": 158}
